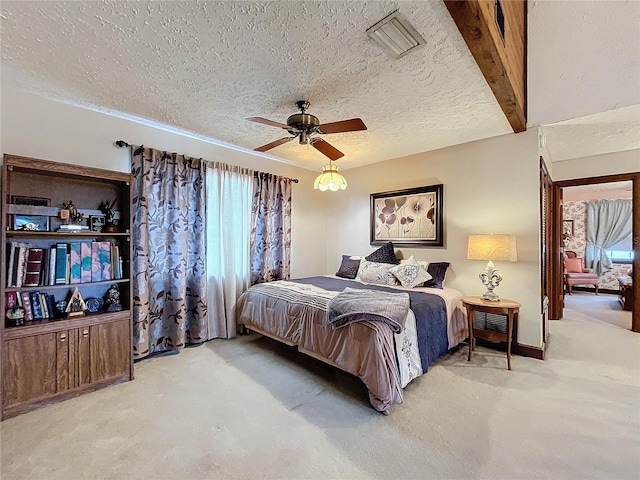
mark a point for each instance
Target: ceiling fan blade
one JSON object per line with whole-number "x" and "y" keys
{"x": 271, "y": 145}
{"x": 327, "y": 149}
{"x": 268, "y": 122}
{"x": 352, "y": 125}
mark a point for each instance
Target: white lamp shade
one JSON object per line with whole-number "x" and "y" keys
{"x": 330, "y": 179}
{"x": 492, "y": 247}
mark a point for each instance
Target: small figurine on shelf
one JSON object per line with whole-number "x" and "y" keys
{"x": 109, "y": 216}
{"x": 76, "y": 305}
{"x": 15, "y": 317}
{"x": 72, "y": 218}
{"x": 112, "y": 299}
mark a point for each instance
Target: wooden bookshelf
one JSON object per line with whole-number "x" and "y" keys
{"x": 51, "y": 359}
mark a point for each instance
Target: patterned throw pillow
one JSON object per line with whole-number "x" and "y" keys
{"x": 348, "y": 267}
{"x": 437, "y": 270}
{"x": 410, "y": 273}
{"x": 374, "y": 272}
{"x": 384, "y": 254}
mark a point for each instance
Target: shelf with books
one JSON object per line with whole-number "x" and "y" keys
{"x": 67, "y": 286}
{"x": 73, "y": 270}
{"x": 36, "y": 234}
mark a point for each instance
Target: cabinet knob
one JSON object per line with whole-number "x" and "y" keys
{"x": 85, "y": 332}
{"x": 63, "y": 337}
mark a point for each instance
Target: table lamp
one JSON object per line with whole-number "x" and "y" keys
{"x": 491, "y": 247}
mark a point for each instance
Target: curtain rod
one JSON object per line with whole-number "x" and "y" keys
{"x": 123, "y": 144}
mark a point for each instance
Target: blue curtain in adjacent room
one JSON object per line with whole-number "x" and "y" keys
{"x": 609, "y": 222}
{"x": 168, "y": 263}
{"x": 270, "y": 228}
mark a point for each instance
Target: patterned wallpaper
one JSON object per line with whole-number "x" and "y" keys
{"x": 577, "y": 211}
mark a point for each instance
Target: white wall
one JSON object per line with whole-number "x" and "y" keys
{"x": 597, "y": 165}
{"x": 35, "y": 127}
{"x": 490, "y": 185}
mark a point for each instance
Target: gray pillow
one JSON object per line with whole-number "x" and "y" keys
{"x": 348, "y": 267}
{"x": 375, "y": 272}
{"x": 437, "y": 270}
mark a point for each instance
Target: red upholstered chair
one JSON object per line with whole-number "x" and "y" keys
{"x": 576, "y": 274}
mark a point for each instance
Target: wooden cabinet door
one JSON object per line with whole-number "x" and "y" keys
{"x": 36, "y": 367}
{"x": 103, "y": 351}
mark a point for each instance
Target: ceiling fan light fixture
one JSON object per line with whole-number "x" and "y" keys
{"x": 396, "y": 35}
{"x": 330, "y": 179}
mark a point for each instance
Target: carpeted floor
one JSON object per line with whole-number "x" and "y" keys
{"x": 251, "y": 408}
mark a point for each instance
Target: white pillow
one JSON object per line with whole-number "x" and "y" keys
{"x": 410, "y": 273}
{"x": 374, "y": 272}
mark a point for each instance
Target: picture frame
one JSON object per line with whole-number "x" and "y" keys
{"x": 34, "y": 201}
{"x": 411, "y": 218}
{"x": 39, "y": 223}
{"x": 567, "y": 228}
{"x": 96, "y": 222}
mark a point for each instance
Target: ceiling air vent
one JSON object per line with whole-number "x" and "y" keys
{"x": 396, "y": 35}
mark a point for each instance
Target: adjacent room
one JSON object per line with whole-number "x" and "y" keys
{"x": 602, "y": 210}
{"x": 320, "y": 239}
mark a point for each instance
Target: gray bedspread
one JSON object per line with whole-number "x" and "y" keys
{"x": 358, "y": 305}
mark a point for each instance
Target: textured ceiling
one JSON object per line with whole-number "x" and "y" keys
{"x": 206, "y": 66}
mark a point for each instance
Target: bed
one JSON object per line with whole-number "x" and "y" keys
{"x": 295, "y": 312}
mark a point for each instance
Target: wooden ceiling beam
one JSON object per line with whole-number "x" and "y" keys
{"x": 502, "y": 61}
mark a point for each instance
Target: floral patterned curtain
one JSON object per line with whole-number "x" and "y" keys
{"x": 270, "y": 228}
{"x": 168, "y": 264}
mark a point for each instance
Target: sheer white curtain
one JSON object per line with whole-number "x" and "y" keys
{"x": 229, "y": 196}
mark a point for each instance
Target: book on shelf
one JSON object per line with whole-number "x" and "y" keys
{"x": 44, "y": 271}
{"x": 116, "y": 262}
{"x": 52, "y": 265}
{"x": 85, "y": 262}
{"x": 36, "y": 307}
{"x": 50, "y": 300}
{"x": 43, "y": 305}
{"x": 100, "y": 261}
{"x": 75, "y": 265}
{"x": 26, "y": 304}
{"x": 10, "y": 300}
{"x": 17, "y": 264}
{"x": 61, "y": 264}
{"x": 33, "y": 267}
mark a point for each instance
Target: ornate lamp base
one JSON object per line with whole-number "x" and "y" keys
{"x": 491, "y": 278}
{"x": 489, "y": 295}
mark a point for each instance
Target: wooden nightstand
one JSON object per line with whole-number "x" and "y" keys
{"x": 509, "y": 308}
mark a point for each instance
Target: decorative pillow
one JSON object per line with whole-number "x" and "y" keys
{"x": 410, "y": 273}
{"x": 437, "y": 270}
{"x": 375, "y": 272}
{"x": 348, "y": 267}
{"x": 573, "y": 265}
{"x": 384, "y": 254}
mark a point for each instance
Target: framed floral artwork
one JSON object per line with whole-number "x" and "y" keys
{"x": 409, "y": 218}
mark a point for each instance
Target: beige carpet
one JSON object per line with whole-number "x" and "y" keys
{"x": 253, "y": 409}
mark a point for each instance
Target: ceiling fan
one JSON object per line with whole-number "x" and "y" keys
{"x": 305, "y": 127}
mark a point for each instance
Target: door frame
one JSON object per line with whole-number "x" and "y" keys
{"x": 556, "y": 287}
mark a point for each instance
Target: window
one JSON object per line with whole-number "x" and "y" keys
{"x": 622, "y": 252}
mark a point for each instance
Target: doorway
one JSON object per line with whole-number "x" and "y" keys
{"x": 559, "y": 228}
